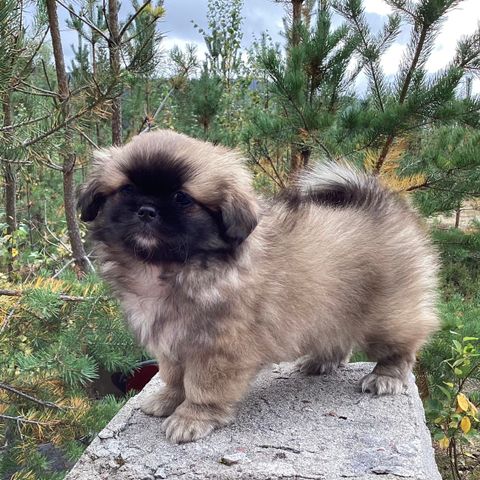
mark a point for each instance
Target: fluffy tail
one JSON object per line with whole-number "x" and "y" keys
{"x": 342, "y": 185}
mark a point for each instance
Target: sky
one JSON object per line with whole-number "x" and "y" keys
{"x": 266, "y": 15}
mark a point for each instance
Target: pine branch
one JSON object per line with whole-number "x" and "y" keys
{"x": 132, "y": 18}
{"x": 86, "y": 137}
{"x": 45, "y": 74}
{"x": 270, "y": 161}
{"x": 39, "y": 90}
{"x": 25, "y": 420}
{"x": 25, "y": 123}
{"x": 137, "y": 34}
{"x": 35, "y": 52}
{"x": 61, "y": 296}
{"x": 413, "y": 65}
{"x": 158, "y": 110}
{"x": 403, "y": 94}
{"x": 276, "y": 178}
{"x": 45, "y": 403}
{"x": 84, "y": 20}
{"x": 400, "y": 6}
{"x": 367, "y": 51}
{"x": 68, "y": 121}
{"x": 412, "y": 188}
{"x": 280, "y": 84}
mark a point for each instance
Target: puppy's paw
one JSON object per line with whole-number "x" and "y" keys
{"x": 381, "y": 384}
{"x": 161, "y": 403}
{"x": 309, "y": 365}
{"x": 183, "y": 429}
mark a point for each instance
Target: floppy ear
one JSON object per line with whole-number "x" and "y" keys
{"x": 239, "y": 217}
{"x": 90, "y": 200}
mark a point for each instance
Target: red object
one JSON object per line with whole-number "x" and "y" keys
{"x": 141, "y": 376}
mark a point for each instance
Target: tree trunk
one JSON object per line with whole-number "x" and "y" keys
{"x": 458, "y": 211}
{"x": 147, "y": 96}
{"x": 296, "y": 160}
{"x": 114, "y": 53}
{"x": 94, "y": 73}
{"x": 10, "y": 182}
{"x": 305, "y": 155}
{"x": 403, "y": 95}
{"x": 296, "y": 21}
{"x": 78, "y": 250}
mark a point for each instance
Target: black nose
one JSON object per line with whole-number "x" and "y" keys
{"x": 147, "y": 213}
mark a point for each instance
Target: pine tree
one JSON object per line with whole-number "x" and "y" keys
{"x": 10, "y": 45}
{"x": 138, "y": 37}
{"x": 215, "y": 94}
{"x": 143, "y": 51}
{"x": 90, "y": 61}
{"x": 412, "y": 112}
{"x": 223, "y": 38}
{"x": 306, "y": 88}
{"x": 205, "y": 94}
{"x": 78, "y": 250}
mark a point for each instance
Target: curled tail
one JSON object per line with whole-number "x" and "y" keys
{"x": 341, "y": 185}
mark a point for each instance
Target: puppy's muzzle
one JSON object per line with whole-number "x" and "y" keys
{"x": 147, "y": 213}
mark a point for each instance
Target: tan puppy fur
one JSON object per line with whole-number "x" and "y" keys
{"x": 335, "y": 264}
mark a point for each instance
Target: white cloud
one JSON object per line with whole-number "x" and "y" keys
{"x": 461, "y": 21}
{"x": 377, "y": 6}
{"x": 392, "y": 57}
{"x": 169, "y": 42}
{"x": 476, "y": 86}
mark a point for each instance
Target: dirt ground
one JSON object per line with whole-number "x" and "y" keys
{"x": 469, "y": 212}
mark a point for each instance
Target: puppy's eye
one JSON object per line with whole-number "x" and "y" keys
{"x": 182, "y": 199}
{"x": 127, "y": 189}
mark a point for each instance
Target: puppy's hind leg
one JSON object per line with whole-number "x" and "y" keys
{"x": 390, "y": 375}
{"x": 322, "y": 364}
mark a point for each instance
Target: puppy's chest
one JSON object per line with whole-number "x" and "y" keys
{"x": 165, "y": 316}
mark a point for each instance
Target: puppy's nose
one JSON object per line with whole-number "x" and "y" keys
{"x": 147, "y": 213}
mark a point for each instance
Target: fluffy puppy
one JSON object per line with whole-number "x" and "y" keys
{"x": 216, "y": 285}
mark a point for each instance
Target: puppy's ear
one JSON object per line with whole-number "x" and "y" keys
{"x": 90, "y": 200}
{"x": 239, "y": 217}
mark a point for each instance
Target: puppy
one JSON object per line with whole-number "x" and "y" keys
{"x": 217, "y": 284}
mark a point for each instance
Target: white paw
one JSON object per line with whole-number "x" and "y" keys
{"x": 381, "y": 384}
{"x": 182, "y": 429}
{"x": 161, "y": 403}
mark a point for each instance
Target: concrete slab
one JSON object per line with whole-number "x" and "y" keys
{"x": 289, "y": 427}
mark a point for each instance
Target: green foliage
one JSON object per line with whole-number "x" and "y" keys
{"x": 9, "y": 44}
{"x": 460, "y": 260}
{"x": 452, "y": 358}
{"x": 206, "y": 94}
{"x": 459, "y": 307}
{"x": 305, "y": 89}
{"x": 55, "y": 338}
{"x": 449, "y": 158}
{"x": 143, "y": 49}
{"x": 453, "y": 414}
{"x": 223, "y": 38}
{"x": 458, "y": 315}
{"x": 415, "y": 104}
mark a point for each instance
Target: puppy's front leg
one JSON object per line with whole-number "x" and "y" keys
{"x": 213, "y": 386}
{"x": 163, "y": 402}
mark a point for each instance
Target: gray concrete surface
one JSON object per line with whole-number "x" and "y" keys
{"x": 289, "y": 427}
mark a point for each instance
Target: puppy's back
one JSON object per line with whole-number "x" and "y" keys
{"x": 366, "y": 257}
